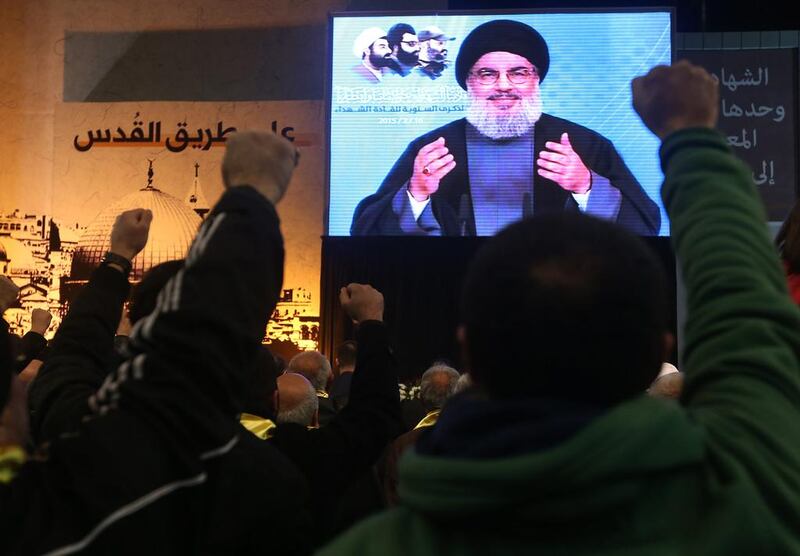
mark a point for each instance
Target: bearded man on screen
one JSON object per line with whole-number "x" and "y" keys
{"x": 506, "y": 160}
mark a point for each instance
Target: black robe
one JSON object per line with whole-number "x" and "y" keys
{"x": 452, "y": 203}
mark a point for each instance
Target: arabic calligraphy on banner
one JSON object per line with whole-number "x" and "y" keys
{"x": 179, "y": 141}
{"x": 757, "y": 116}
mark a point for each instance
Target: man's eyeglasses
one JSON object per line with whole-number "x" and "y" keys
{"x": 517, "y": 76}
{"x": 412, "y": 44}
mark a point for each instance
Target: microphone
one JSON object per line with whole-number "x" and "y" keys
{"x": 527, "y": 205}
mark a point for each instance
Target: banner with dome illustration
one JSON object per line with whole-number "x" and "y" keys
{"x": 50, "y": 248}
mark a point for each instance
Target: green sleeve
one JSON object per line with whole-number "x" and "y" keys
{"x": 742, "y": 331}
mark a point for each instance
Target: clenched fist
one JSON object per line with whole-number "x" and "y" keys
{"x": 362, "y": 302}
{"x": 40, "y": 321}
{"x": 670, "y": 98}
{"x": 130, "y": 231}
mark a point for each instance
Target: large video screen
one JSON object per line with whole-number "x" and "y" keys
{"x": 458, "y": 125}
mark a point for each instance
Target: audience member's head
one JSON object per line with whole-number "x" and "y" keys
{"x": 297, "y": 400}
{"x": 667, "y": 368}
{"x": 312, "y": 365}
{"x": 788, "y": 239}
{"x": 144, "y": 296}
{"x": 436, "y": 385}
{"x": 667, "y": 386}
{"x": 464, "y": 382}
{"x": 262, "y": 160}
{"x": 346, "y": 356}
{"x": 565, "y": 306}
{"x": 261, "y": 386}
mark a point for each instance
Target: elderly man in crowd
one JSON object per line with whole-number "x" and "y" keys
{"x": 437, "y": 384}
{"x": 297, "y": 401}
{"x": 316, "y": 368}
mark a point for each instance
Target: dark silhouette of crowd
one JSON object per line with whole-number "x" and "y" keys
{"x": 184, "y": 435}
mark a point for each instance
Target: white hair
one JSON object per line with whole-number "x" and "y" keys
{"x": 312, "y": 365}
{"x": 301, "y": 414}
{"x": 433, "y": 392}
{"x": 506, "y": 124}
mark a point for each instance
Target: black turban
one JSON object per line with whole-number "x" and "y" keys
{"x": 502, "y": 35}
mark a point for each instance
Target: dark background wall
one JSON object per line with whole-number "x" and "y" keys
{"x": 421, "y": 281}
{"x": 693, "y": 16}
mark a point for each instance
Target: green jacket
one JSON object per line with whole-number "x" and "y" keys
{"x": 718, "y": 474}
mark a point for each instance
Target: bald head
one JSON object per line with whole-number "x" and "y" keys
{"x": 297, "y": 400}
{"x": 312, "y": 365}
{"x": 668, "y": 386}
{"x": 437, "y": 384}
{"x": 260, "y": 159}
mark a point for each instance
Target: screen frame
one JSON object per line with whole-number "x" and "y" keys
{"x": 328, "y": 86}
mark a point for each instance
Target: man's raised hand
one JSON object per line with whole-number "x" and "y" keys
{"x": 130, "y": 231}
{"x": 362, "y": 302}
{"x": 261, "y": 160}
{"x": 40, "y": 321}
{"x": 670, "y": 98}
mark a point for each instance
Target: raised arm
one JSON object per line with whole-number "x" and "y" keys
{"x": 742, "y": 330}
{"x": 82, "y": 351}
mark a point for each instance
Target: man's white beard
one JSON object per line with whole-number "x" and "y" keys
{"x": 505, "y": 124}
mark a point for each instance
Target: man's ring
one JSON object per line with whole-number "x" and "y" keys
{"x": 426, "y": 171}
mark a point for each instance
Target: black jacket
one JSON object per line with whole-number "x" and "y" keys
{"x": 452, "y": 203}
{"x": 82, "y": 355}
{"x": 161, "y": 464}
